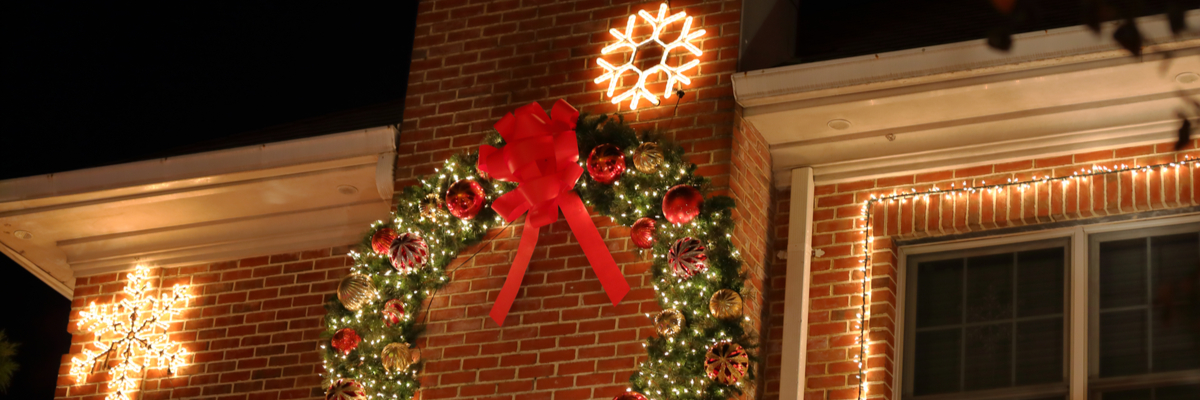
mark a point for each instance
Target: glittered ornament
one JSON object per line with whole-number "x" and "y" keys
{"x": 396, "y": 357}
{"x": 726, "y": 362}
{"x": 725, "y": 304}
{"x": 642, "y": 233}
{"x": 408, "y": 252}
{"x": 393, "y": 312}
{"x": 382, "y": 240}
{"x": 346, "y": 389}
{"x": 630, "y": 396}
{"x": 464, "y": 199}
{"x": 669, "y": 322}
{"x": 431, "y": 206}
{"x": 606, "y": 163}
{"x": 682, "y": 204}
{"x": 647, "y": 157}
{"x": 355, "y": 291}
{"x": 687, "y": 257}
{"x": 345, "y": 340}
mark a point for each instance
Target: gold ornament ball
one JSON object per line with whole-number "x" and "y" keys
{"x": 669, "y": 322}
{"x": 431, "y": 206}
{"x": 355, "y": 291}
{"x": 396, "y": 357}
{"x": 725, "y": 304}
{"x": 647, "y": 157}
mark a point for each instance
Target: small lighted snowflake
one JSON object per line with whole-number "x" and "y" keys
{"x": 137, "y": 328}
{"x": 625, "y": 40}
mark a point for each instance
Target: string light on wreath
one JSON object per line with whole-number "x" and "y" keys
{"x": 136, "y": 334}
{"x": 625, "y": 40}
{"x": 674, "y": 368}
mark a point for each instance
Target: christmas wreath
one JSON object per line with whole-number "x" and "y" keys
{"x": 639, "y": 181}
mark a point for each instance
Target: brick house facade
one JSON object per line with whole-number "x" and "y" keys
{"x": 254, "y": 321}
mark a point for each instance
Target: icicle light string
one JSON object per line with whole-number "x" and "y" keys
{"x": 864, "y": 314}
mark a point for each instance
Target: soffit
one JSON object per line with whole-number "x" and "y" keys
{"x": 256, "y": 200}
{"x": 1058, "y": 92}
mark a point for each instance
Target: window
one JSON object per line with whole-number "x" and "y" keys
{"x": 1002, "y": 318}
{"x": 989, "y": 320}
{"x": 1145, "y": 314}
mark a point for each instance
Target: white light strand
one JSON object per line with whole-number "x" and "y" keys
{"x": 864, "y": 316}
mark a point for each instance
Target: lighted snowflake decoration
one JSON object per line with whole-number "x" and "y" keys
{"x": 136, "y": 328}
{"x": 625, "y": 40}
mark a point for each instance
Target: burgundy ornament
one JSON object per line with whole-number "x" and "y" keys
{"x": 381, "y": 241}
{"x": 642, "y": 233}
{"x": 682, "y": 204}
{"x": 687, "y": 257}
{"x": 393, "y": 312}
{"x": 408, "y": 252}
{"x": 630, "y": 396}
{"x": 606, "y": 163}
{"x": 726, "y": 362}
{"x": 345, "y": 340}
{"x": 464, "y": 199}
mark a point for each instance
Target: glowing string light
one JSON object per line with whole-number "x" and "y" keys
{"x": 625, "y": 41}
{"x": 137, "y": 328}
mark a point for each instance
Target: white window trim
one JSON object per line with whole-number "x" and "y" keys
{"x": 1078, "y": 286}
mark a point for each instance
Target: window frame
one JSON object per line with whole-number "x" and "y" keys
{"x": 1095, "y": 383}
{"x": 1078, "y": 307}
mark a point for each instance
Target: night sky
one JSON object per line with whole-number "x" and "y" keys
{"x": 86, "y": 84}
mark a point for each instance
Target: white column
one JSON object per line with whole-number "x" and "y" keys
{"x": 795, "y": 298}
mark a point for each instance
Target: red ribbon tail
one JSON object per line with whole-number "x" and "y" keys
{"x": 593, "y": 246}
{"x": 516, "y": 273}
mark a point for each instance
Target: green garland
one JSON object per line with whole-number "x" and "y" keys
{"x": 675, "y": 368}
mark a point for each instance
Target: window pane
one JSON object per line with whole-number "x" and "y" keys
{"x": 1040, "y": 351}
{"x": 1040, "y": 275}
{"x": 1175, "y": 329}
{"x": 989, "y": 356}
{"x": 1180, "y": 392}
{"x": 1123, "y": 273}
{"x": 1123, "y": 343}
{"x": 1138, "y": 394}
{"x": 939, "y": 293}
{"x": 988, "y": 322}
{"x": 989, "y": 288}
{"x": 1183, "y": 392}
{"x": 937, "y": 361}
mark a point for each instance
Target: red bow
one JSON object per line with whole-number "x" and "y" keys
{"x": 543, "y": 157}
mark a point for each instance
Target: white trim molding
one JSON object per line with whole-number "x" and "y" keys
{"x": 1061, "y": 91}
{"x": 795, "y": 299}
{"x": 222, "y": 205}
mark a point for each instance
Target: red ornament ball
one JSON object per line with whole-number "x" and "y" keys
{"x": 642, "y": 233}
{"x": 687, "y": 257}
{"x": 346, "y": 389}
{"x": 606, "y": 163}
{"x": 630, "y": 396}
{"x": 381, "y": 241}
{"x": 408, "y": 252}
{"x": 464, "y": 199}
{"x": 345, "y": 340}
{"x": 393, "y": 312}
{"x": 682, "y": 204}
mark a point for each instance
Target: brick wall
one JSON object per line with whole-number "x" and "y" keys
{"x": 835, "y": 291}
{"x": 474, "y": 61}
{"x": 251, "y": 326}
{"x": 254, "y": 323}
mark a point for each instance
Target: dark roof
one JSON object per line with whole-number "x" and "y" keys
{"x": 828, "y": 30}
